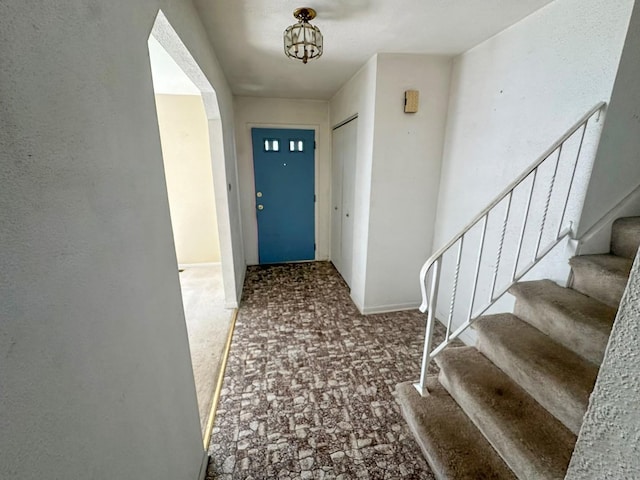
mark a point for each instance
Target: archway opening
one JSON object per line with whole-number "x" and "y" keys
{"x": 191, "y": 137}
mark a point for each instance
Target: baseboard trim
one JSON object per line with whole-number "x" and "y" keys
{"x": 216, "y": 393}
{"x": 399, "y": 307}
{"x": 204, "y": 465}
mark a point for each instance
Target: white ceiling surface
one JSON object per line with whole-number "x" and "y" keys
{"x": 247, "y": 36}
{"x": 168, "y": 77}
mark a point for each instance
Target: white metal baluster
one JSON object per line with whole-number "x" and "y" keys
{"x": 475, "y": 280}
{"x": 500, "y": 246}
{"x": 504, "y": 290}
{"x": 573, "y": 175}
{"x": 435, "y": 262}
{"x": 428, "y": 336}
{"x": 455, "y": 287}
{"x": 524, "y": 223}
{"x": 546, "y": 205}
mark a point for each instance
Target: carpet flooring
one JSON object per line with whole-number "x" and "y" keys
{"x": 307, "y": 393}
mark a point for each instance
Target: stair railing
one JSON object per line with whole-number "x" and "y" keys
{"x": 540, "y": 178}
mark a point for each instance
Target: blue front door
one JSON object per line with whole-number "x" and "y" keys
{"x": 283, "y": 161}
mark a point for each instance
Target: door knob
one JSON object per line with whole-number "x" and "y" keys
{"x": 260, "y": 207}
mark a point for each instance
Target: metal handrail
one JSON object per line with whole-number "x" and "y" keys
{"x": 433, "y": 263}
{"x": 500, "y": 197}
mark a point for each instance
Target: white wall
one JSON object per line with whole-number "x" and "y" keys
{"x": 512, "y": 96}
{"x": 96, "y": 375}
{"x": 168, "y": 77}
{"x": 283, "y": 113}
{"x": 617, "y": 168}
{"x": 407, "y": 155}
{"x": 186, "y": 155}
{"x": 397, "y": 173}
{"x": 358, "y": 96}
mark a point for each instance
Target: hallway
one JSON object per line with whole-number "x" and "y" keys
{"x": 307, "y": 389}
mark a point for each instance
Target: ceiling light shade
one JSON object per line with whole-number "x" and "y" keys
{"x": 302, "y": 40}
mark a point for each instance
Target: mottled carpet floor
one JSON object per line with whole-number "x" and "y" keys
{"x": 308, "y": 387}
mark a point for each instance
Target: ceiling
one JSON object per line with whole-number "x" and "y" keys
{"x": 247, "y": 35}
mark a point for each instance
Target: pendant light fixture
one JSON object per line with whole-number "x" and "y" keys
{"x": 303, "y": 41}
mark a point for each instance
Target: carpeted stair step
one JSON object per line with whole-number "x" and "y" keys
{"x": 574, "y": 320}
{"x": 557, "y": 378}
{"x": 531, "y": 441}
{"x": 451, "y": 443}
{"x": 625, "y": 237}
{"x": 603, "y": 277}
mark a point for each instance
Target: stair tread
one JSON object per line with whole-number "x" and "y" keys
{"x": 559, "y": 379}
{"x": 451, "y": 443}
{"x": 532, "y": 442}
{"x": 625, "y": 237}
{"x": 602, "y": 276}
{"x": 579, "y": 322}
{"x": 606, "y": 262}
{"x": 581, "y": 308}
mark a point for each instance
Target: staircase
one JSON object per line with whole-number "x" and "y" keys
{"x": 512, "y": 406}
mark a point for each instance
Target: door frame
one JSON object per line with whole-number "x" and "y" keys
{"x": 316, "y": 172}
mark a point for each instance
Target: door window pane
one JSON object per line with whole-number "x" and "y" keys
{"x": 296, "y": 146}
{"x": 271, "y": 145}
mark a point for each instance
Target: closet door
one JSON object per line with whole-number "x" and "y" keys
{"x": 343, "y": 196}
{"x": 336, "y": 198}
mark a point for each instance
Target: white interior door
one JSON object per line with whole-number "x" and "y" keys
{"x": 343, "y": 197}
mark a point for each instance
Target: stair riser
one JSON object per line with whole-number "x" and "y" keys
{"x": 625, "y": 237}
{"x": 587, "y": 342}
{"x": 606, "y": 288}
{"x": 554, "y": 398}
